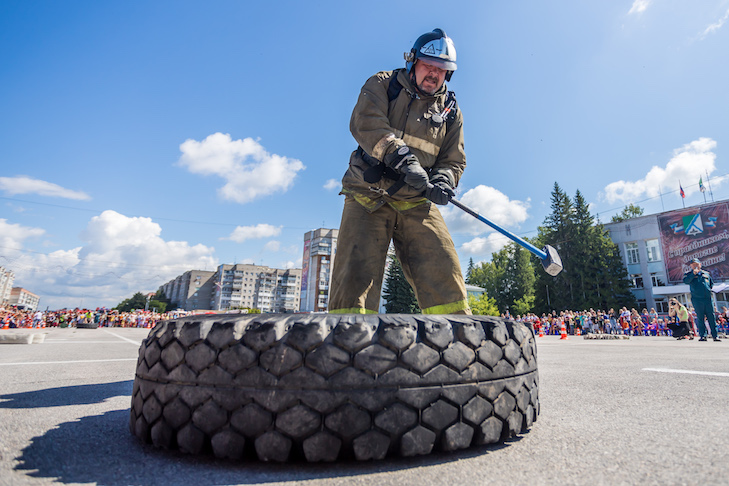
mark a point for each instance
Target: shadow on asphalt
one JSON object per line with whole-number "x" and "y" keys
{"x": 100, "y": 449}
{"x": 67, "y": 395}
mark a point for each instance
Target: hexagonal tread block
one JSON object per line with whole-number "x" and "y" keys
{"x": 396, "y": 419}
{"x": 372, "y": 445}
{"x": 375, "y": 359}
{"x": 298, "y": 422}
{"x": 421, "y": 357}
{"x": 327, "y": 359}
{"x": 418, "y": 441}
{"x": 272, "y": 446}
{"x": 459, "y": 356}
{"x": 280, "y": 359}
{"x": 322, "y": 446}
{"x": 348, "y": 421}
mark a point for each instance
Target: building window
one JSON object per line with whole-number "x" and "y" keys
{"x": 631, "y": 249}
{"x": 637, "y": 280}
{"x": 656, "y": 280}
{"x": 627, "y": 230}
{"x": 651, "y": 246}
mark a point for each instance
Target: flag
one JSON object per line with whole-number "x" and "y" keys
{"x": 701, "y": 185}
{"x": 683, "y": 194}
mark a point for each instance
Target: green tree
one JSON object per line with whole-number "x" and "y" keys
{"x": 557, "y": 230}
{"x": 514, "y": 278}
{"x": 593, "y": 274}
{"x": 629, "y": 211}
{"x": 138, "y": 301}
{"x": 469, "y": 271}
{"x": 157, "y": 306}
{"x": 486, "y": 276}
{"x": 483, "y": 305}
{"x": 399, "y": 295}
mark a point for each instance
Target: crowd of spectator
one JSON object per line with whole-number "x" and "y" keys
{"x": 12, "y": 317}
{"x": 623, "y": 321}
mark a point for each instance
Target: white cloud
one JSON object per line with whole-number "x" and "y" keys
{"x": 243, "y": 233}
{"x": 687, "y": 165}
{"x": 28, "y": 185}
{"x": 332, "y": 184}
{"x": 272, "y": 245}
{"x": 120, "y": 256}
{"x": 489, "y": 202}
{"x": 485, "y": 246}
{"x": 715, "y": 26}
{"x": 639, "y": 6}
{"x": 12, "y": 235}
{"x": 248, "y": 170}
{"x": 289, "y": 265}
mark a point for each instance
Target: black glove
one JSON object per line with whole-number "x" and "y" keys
{"x": 440, "y": 192}
{"x": 407, "y": 164}
{"x": 400, "y": 158}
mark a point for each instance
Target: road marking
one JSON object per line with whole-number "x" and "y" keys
{"x": 68, "y": 362}
{"x": 687, "y": 372}
{"x": 63, "y": 341}
{"x": 136, "y": 343}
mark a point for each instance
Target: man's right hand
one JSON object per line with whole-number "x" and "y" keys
{"x": 407, "y": 164}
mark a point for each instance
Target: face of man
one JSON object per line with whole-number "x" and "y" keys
{"x": 695, "y": 266}
{"x": 429, "y": 78}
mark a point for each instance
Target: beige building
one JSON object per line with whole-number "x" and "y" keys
{"x": 26, "y": 299}
{"x": 256, "y": 287}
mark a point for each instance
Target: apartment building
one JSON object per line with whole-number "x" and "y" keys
{"x": 190, "y": 291}
{"x": 26, "y": 299}
{"x": 7, "y": 279}
{"x": 320, "y": 248}
{"x": 257, "y": 287}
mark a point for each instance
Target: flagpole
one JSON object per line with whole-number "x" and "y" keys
{"x": 708, "y": 181}
{"x": 661, "y": 194}
{"x": 683, "y": 195}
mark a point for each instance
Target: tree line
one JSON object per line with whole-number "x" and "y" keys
{"x": 593, "y": 274}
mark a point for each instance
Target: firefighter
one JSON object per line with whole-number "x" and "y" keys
{"x": 410, "y": 159}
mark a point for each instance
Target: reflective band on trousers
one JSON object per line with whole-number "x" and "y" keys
{"x": 398, "y": 205}
{"x": 352, "y": 310}
{"x": 451, "y": 308}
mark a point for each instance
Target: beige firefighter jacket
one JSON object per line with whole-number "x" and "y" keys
{"x": 381, "y": 131}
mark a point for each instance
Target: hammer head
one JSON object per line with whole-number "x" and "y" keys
{"x": 553, "y": 263}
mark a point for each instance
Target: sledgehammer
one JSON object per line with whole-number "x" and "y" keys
{"x": 551, "y": 261}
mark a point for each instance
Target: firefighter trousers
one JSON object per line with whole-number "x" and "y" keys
{"x": 423, "y": 246}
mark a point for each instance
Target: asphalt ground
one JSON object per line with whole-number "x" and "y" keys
{"x": 648, "y": 410}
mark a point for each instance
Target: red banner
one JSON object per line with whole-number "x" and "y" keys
{"x": 701, "y": 233}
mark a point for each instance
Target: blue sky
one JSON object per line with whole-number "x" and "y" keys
{"x": 143, "y": 139}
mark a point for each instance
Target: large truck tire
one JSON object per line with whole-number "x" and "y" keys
{"x": 316, "y": 387}
{"x": 87, "y": 325}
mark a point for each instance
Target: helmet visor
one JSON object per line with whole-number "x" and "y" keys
{"x": 438, "y": 62}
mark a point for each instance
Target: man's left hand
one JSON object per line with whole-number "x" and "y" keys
{"x": 440, "y": 192}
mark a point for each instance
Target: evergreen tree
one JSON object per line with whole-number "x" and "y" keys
{"x": 594, "y": 275}
{"x": 469, "y": 271}
{"x": 553, "y": 293}
{"x": 399, "y": 295}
